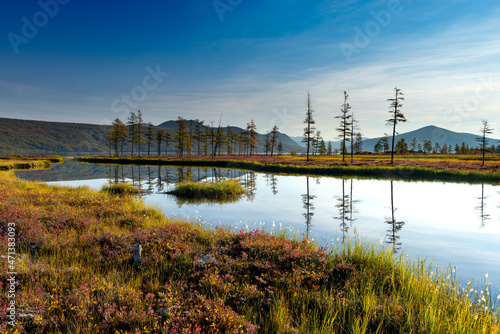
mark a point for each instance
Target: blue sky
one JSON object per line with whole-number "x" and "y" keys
{"x": 93, "y": 61}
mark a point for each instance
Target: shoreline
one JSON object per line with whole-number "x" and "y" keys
{"x": 296, "y": 166}
{"x": 92, "y": 261}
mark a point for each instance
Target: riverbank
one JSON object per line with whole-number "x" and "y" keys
{"x": 8, "y": 162}
{"x": 79, "y": 270}
{"x": 427, "y": 168}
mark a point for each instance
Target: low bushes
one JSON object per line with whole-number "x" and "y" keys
{"x": 77, "y": 273}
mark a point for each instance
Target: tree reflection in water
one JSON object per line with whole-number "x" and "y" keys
{"x": 307, "y": 199}
{"x": 395, "y": 226}
{"x": 249, "y": 182}
{"x": 346, "y": 208}
{"x": 481, "y": 208}
{"x": 344, "y": 212}
{"x": 272, "y": 180}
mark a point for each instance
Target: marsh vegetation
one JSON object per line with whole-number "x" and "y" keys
{"x": 81, "y": 276}
{"x": 220, "y": 190}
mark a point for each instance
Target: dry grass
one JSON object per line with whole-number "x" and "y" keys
{"x": 76, "y": 274}
{"x": 8, "y": 162}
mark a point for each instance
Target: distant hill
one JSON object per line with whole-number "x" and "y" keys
{"x": 434, "y": 134}
{"x": 40, "y": 137}
{"x": 431, "y": 132}
{"x": 298, "y": 140}
{"x": 288, "y": 143}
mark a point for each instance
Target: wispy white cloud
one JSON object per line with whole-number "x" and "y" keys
{"x": 439, "y": 71}
{"x": 439, "y": 74}
{"x": 20, "y": 89}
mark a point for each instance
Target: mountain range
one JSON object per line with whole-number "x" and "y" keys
{"x": 41, "y": 137}
{"x": 435, "y": 135}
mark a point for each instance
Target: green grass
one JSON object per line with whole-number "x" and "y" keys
{"x": 120, "y": 188}
{"x": 28, "y": 162}
{"x": 382, "y": 172}
{"x": 218, "y": 190}
{"x": 51, "y": 158}
{"x": 76, "y": 274}
{"x": 19, "y": 164}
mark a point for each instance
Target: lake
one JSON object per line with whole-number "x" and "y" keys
{"x": 452, "y": 224}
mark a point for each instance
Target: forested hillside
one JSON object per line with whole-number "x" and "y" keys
{"x": 38, "y": 137}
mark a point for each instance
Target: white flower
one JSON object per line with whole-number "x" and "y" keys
{"x": 486, "y": 275}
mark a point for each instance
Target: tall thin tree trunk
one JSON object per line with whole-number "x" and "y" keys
{"x": 199, "y": 143}
{"x": 352, "y": 139}
{"x": 484, "y": 142}
{"x": 344, "y": 146}
{"x": 394, "y": 132}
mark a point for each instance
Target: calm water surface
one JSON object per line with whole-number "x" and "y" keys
{"x": 453, "y": 224}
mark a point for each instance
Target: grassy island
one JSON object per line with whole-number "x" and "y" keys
{"x": 94, "y": 262}
{"x": 121, "y": 188}
{"x": 219, "y": 190}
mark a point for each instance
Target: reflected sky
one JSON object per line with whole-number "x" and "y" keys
{"x": 443, "y": 222}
